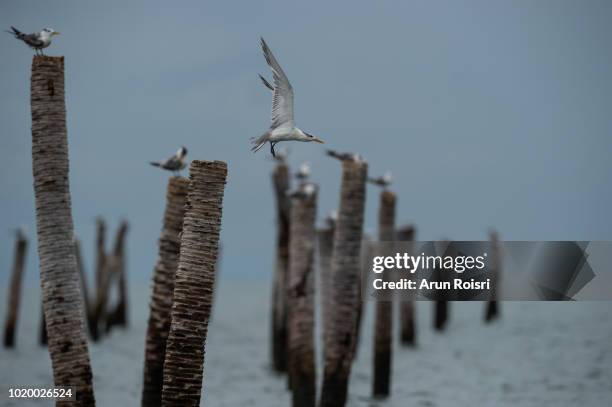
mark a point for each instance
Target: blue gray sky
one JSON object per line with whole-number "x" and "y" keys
{"x": 489, "y": 113}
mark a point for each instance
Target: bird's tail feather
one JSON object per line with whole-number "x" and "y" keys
{"x": 15, "y": 32}
{"x": 258, "y": 142}
{"x": 155, "y": 163}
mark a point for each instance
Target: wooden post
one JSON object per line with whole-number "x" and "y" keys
{"x": 84, "y": 287}
{"x": 193, "y": 286}
{"x": 43, "y": 340}
{"x": 279, "y": 351}
{"x": 118, "y": 316}
{"x": 407, "y": 306}
{"x": 383, "y": 322}
{"x": 14, "y": 294}
{"x": 366, "y": 248}
{"x": 344, "y": 284}
{"x": 325, "y": 246}
{"x": 441, "y": 305}
{"x": 163, "y": 291}
{"x": 62, "y": 299}
{"x": 300, "y": 296}
{"x": 492, "y": 308}
{"x": 102, "y": 280}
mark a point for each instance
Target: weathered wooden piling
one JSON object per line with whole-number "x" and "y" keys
{"x": 281, "y": 181}
{"x": 344, "y": 284}
{"x": 43, "y": 339}
{"x": 84, "y": 286}
{"x": 441, "y": 304}
{"x": 366, "y": 249}
{"x": 300, "y": 296}
{"x": 193, "y": 286}
{"x": 325, "y": 237}
{"x": 407, "y": 309}
{"x": 14, "y": 294}
{"x": 102, "y": 281}
{"x": 163, "y": 290}
{"x": 118, "y": 315}
{"x": 383, "y": 320}
{"x": 492, "y": 307}
{"x": 62, "y": 300}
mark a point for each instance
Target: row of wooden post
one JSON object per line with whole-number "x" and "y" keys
{"x": 183, "y": 278}
{"x": 340, "y": 246}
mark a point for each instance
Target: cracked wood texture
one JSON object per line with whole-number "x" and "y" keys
{"x": 14, "y": 294}
{"x": 194, "y": 284}
{"x": 281, "y": 182}
{"x": 346, "y": 263}
{"x": 163, "y": 291}
{"x": 300, "y": 298}
{"x": 60, "y": 283}
{"x": 383, "y": 317}
{"x": 407, "y": 308}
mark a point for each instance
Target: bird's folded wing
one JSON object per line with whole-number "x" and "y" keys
{"x": 282, "y": 99}
{"x": 32, "y": 40}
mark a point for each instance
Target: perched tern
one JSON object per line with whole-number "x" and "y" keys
{"x": 175, "y": 163}
{"x": 283, "y": 127}
{"x": 303, "y": 172}
{"x": 383, "y": 181}
{"x": 331, "y": 218}
{"x": 37, "y": 41}
{"x": 344, "y": 156}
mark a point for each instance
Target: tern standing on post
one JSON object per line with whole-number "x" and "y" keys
{"x": 283, "y": 127}
{"x": 176, "y": 163}
{"x": 37, "y": 41}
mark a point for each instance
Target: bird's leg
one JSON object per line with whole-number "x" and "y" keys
{"x": 272, "y": 149}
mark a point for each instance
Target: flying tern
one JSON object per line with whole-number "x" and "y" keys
{"x": 37, "y": 41}
{"x": 175, "y": 163}
{"x": 283, "y": 126}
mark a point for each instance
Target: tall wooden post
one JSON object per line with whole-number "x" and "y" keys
{"x": 62, "y": 299}
{"x": 339, "y": 340}
{"x": 163, "y": 291}
{"x": 102, "y": 281}
{"x": 118, "y": 316}
{"x": 281, "y": 181}
{"x": 325, "y": 246}
{"x": 383, "y": 322}
{"x": 14, "y": 294}
{"x": 407, "y": 308}
{"x": 194, "y": 284}
{"x": 300, "y": 296}
{"x": 84, "y": 287}
{"x": 492, "y": 308}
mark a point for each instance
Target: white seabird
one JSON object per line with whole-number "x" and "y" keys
{"x": 383, "y": 181}
{"x": 37, "y": 41}
{"x": 176, "y": 163}
{"x": 344, "y": 156}
{"x": 303, "y": 172}
{"x": 283, "y": 127}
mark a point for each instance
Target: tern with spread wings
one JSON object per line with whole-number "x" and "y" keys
{"x": 283, "y": 126}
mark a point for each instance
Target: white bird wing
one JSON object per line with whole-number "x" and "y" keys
{"x": 282, "y": 99}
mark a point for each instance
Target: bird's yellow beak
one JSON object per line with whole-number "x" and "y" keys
{"x": 318, "y": 140}
{"x": 55, "y": 33}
